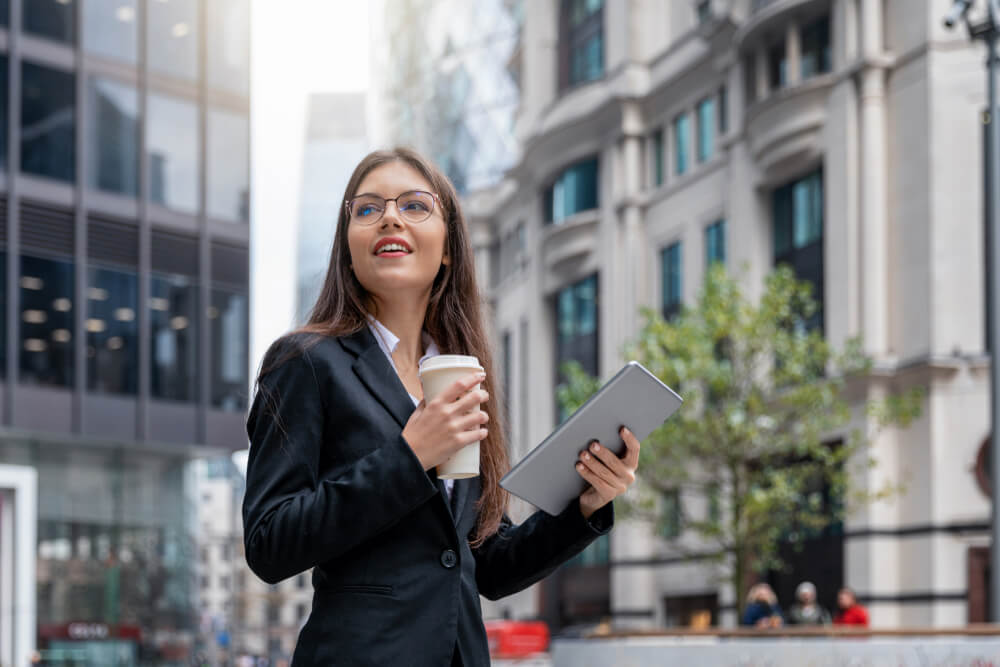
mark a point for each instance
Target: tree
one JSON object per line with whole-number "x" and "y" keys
{"x": 766, "y": 426}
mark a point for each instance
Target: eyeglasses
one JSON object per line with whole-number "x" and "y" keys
{"x": 414, "y": 207}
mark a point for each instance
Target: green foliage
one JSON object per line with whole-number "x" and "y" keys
{"x": 765, "y": 422}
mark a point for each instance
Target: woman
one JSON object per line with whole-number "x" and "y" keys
{"x": 762, "y": 610}
{"x": 341, "y": 476}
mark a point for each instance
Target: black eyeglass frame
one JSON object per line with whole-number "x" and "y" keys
{"x": 434, "y": 198}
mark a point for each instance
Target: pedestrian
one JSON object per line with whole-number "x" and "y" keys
{"x": 762, "y": 610}
{"x": 851, "y": 612}
{"x": 341, "y": 476}
{"x": 806, "y": 611}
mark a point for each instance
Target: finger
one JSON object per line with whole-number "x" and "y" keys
{"x": 631, "y": 458}
{"x": 602, "y": 471}
{"x": 459, "y": 388}
{"x": 611, "y": 460}
{"x": 600, "y": 486}
{"x": 465, "y": 438}
{"x": 469, "y": 403}
{"x": 472, "y": 420}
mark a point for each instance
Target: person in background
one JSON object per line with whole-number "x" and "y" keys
{"x": 762, "y": 610}
{"x": 851, "y": 613}
{"x": 806, "y": 611}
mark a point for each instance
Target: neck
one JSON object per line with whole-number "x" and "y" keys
{"x": 404, "y": 316}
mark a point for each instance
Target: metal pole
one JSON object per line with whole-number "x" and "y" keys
{"x": 993, "y": 297}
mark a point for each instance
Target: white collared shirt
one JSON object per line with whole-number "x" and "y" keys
{"x": 388, "y": 341}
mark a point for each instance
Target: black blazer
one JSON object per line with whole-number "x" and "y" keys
{"x": 332, "y": 485}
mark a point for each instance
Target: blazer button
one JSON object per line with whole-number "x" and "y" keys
{"x": 448, "y": 558}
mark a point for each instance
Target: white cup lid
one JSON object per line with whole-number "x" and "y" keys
{"x": 450, "y": 361}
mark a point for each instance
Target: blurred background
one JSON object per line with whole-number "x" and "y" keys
{"x": 170, "y": 177}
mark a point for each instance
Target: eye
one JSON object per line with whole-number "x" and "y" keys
{"x": 364, "y": 210}
{"x": 416, "y": 205}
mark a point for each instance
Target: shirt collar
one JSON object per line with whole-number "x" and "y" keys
{"x": 389, "y": 341}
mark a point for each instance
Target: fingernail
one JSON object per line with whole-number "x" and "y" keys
{"x": 594, "y": 447}
{"x": 586, "y": 456}
{"x": 579, "y": 466}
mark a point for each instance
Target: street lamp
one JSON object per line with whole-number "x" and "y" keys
{"x": 987, "y": 30}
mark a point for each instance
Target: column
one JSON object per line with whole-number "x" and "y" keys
{"x": 793, "y": 55}
{"x": 874, "y": 188}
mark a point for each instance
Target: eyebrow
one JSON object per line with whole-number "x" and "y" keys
{"x": 375, "y": 194}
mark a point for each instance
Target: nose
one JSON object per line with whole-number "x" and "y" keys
{"x": 395, "y": 217}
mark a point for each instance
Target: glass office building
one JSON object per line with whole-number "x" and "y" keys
{"x": 124, "y": 254}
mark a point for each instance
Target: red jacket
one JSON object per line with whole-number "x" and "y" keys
{"x": 853, "y": 615}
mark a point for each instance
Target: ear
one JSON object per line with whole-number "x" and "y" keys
{"x": 446, "y": 260}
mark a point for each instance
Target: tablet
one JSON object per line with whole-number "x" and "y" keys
{"x": 634, "y": 397}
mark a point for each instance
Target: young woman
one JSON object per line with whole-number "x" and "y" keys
{"x": 341, "y": 475}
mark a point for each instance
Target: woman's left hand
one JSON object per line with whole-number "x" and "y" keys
{"x": 608, "y": 475}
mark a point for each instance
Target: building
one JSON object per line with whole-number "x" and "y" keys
{"x": 449, "y": 83}
{"x": 336, "y": 140}
{"x": 124, "y": 196}
{"x": 842, "y": 137}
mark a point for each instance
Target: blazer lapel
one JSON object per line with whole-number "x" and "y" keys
{"x": 460, "y": 491}
{"x": 378, "y": 376}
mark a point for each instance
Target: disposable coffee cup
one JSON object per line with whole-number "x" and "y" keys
{"x": 437, "y": 374}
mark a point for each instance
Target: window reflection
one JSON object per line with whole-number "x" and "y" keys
{"x": 173, "y": 319}
{"x": 53, "y": 19}
{"x": 46, "y": 321}
{"x": 47, "y": 130}
{"x": 113, "y": 108}
{"x": 172, "y": 41}
{"x": 228, "y": 316}
{"x": 577, "y": 330}
{"x": 4, "y": 101}
{"x": 229, "y": 49}
{"x": 112, "y": 331}
{"x": 173, "y": 140}
{"x": 109, "y": 29}
{"x": 670, "y": 264}
{"x": 228, "y": 165}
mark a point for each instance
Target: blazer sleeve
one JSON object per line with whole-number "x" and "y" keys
{"x": 518, "y": 556}
{"x": 294, "y": 518}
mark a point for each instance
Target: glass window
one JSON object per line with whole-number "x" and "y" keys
{"x": 582, "y": 44}
{"x": 4, "y": 12}
{"x": 577, "y": 328}
{"x": 3, "y": 112}
{"x": 174, "y": 324}
{"x": 53, "y": 19}
{"x": 112, "y": 331}
{"x": 113, "y": 108}
{"x": 598, "y": 553}
{"x": 715, "y": 243}
{"x": 228, "y": 165}
{"x": 797, "y": 210}
{"x": 706, "y": 129}
{"x": 723, "y": 110}
{"x": 682, "y": 139}
{"x": 172, "y": 42}
{"x": 173, "y": 141}
{"x": 3, "y": 312}
{"x": 816, "y": 56}
{"x": 777, "y": 66}
{"x": 229, "y": 48}
{"x": 657, "y": 148}
{"x": 671, "y": 515}
{"x": 576, "y": 189}
{"x": 109, "y": 29}
{"x": 713, "y": 498}
{"x": 47, "y": 130}
{"x": 670, "y": 262}
{"x": 228, "y": 316}
{"x": 46, "y": 321}
{"x": 704, "y": 11}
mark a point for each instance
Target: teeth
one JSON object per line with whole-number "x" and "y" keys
{"x": 392, "y": 247}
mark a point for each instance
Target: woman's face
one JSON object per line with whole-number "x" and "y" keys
{"x": 385, "y": 273}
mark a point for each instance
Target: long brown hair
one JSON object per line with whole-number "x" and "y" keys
{"x": 454, "y": 315}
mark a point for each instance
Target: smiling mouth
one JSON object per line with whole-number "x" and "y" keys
{"x": 392, "y": 250}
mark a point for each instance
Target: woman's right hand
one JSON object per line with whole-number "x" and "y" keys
{"x": 437, "y": 430}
